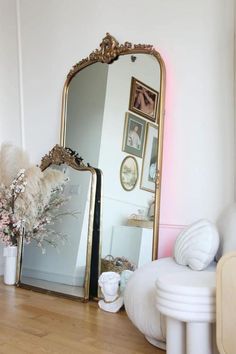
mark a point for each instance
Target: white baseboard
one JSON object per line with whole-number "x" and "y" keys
{"x": 55, "y": 277}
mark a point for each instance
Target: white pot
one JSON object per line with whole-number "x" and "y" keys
{"x": 10, "y": 255}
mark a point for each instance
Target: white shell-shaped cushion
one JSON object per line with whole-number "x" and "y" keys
{"x": 197, "y": 245}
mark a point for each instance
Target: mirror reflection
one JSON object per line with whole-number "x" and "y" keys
{"x": 64, "y": 269}
{"x": 112, "y": 113}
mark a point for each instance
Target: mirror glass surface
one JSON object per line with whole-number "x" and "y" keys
{"x": 96, "y": 126}
{"x": 63, "y": 269}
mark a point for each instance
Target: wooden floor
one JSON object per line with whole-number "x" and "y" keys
{"x": 32, "y": 323}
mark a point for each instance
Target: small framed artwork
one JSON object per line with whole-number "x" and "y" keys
{"x": 134, "y": 135}
{"x": 149, "y": 168}
{"x": 143, "y": 100}
{"x": 129, "y": 173}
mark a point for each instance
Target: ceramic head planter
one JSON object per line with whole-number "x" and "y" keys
{"x": 109, "y": 283}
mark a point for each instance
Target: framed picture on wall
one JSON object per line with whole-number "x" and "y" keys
{"x": 129, "y": 173}
{"x": 134, "y": 135}
{"x": 149, "y": 167}
{"x": 143, "y": 100}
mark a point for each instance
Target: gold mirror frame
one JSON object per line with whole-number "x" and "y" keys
{"x": 110, "y": 50}
{"x": 58, "y": 156}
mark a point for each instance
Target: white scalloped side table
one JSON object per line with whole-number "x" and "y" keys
{"x": 187, "y": 299}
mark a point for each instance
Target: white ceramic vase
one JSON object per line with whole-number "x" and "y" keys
{"x": 10, "y": 261}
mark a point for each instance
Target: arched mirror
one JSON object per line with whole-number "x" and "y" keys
{"x": 113, "y": 107}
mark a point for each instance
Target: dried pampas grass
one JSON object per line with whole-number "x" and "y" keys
{"x": 12, "y": 160}
{"x": 51, "y": 179}
{"x": 28, "y": 202}
{"x": 30, "y": 198}
{"x": 37, "y": 192}
{"x": 39, "y": 185}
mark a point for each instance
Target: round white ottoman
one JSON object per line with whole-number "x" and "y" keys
{"x": 140, "y": 299}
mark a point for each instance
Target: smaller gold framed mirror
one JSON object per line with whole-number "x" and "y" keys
{"x": 64, "y": 271}
{"x": 129, "y": 173}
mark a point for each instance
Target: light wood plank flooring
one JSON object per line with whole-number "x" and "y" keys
{"x": 32, "y": 323}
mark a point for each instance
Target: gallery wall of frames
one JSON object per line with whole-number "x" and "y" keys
{"x": 140, "y": 136}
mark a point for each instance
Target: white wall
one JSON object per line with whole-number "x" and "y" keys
{"x": 10, "y": 124}
{"x": 196, "y": 41}
{"x": 10, "y": 127}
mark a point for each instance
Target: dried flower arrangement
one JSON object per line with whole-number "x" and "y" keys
{"x": 29, "y": 199}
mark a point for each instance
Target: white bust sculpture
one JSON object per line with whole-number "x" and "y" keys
{"x": 109, "y": 283}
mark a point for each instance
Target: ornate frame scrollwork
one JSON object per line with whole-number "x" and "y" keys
{"x": 109, "y": 50}
{"x": 59, "y": 155}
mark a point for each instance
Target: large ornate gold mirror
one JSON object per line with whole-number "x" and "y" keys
{"x": 113, "y": 107}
